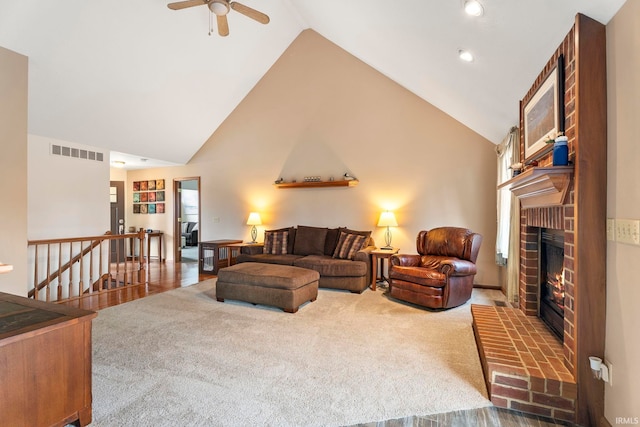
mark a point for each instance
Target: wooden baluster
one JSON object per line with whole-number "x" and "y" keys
{"x": 48, "y": 292}
{"x": 126, "y": 262}
{"x": 35, "y": 275}
{"x": 141, "y": 254}
{"x": 59, "y": 287}
{"x": 80, "y": 274}
{"x": 90, "y": 267}
{"x": 102, "y": 274}
{"x": 70, "y": 269}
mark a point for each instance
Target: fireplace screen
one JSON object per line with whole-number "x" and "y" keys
{"x": 552, "y": 280}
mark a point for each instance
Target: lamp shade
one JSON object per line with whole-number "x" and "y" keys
{"x": 387, "y": 219}
{"x": 254, "y": 219}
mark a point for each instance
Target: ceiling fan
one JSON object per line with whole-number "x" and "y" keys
{"x": 221, "y": 8}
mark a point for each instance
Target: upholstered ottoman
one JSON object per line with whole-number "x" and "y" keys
{"x": 282, "y": 286}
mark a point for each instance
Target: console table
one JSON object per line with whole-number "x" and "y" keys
{"x": 160, "y": 236}
{"x": 45, "y": 369}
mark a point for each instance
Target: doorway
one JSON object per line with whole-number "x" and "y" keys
{"x": 116, "y": 198}
{"x": 187, "y": 227}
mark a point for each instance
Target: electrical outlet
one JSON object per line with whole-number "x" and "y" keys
{"x": 628, "y": 231}
{"x": 611, "y": 229}
{"x": 216, "y": 220}
{"x": 609, "y": 366}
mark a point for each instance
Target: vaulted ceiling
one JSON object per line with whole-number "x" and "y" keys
{"x": 138, "y": 78}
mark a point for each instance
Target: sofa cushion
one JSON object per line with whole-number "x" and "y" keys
{"x": 331, "y": 241}
{"x": 286, "y": 259}
{"x": 349, "y": 244}
{"x": 331, "y": 267}
{"x": 275, "y": 242}
{"x": 310, "y": 240}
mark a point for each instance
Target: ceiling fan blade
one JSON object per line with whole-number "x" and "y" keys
{"x": 249, "y": 12}
{"x": 223, "y": 25}
{"x": 184, "y": 4}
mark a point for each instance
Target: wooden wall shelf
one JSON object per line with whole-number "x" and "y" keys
{"x": 540, "y": 187}
{"x": 318, "y": 184}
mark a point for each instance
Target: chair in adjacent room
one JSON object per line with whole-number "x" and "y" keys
{"x": 190, "y": 235}
{"x": 441, "y": 275}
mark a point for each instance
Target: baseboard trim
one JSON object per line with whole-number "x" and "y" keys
{"x": 493, "y": 287}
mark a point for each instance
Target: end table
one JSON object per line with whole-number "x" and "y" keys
{"x": 380, "y": 254}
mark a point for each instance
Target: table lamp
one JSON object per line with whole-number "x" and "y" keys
{"x": 254, "y": 219}
{"x": 387, "y": 219}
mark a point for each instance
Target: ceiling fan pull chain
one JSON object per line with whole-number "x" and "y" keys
{"x": 210, "y": 22}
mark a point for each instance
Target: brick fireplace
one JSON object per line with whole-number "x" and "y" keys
{"x": 526, "y": 366}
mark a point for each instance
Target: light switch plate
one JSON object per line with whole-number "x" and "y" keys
{"x": 628, "y": 231}
{"x": 611, "y": 229}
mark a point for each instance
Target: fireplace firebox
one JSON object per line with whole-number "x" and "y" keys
{"x": 551, "y": 274}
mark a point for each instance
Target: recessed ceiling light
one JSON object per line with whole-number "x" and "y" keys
{"x": 473, "y": 8}
{"x": 465, "y": 55}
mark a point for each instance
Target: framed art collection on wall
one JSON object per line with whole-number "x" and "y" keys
{"x": 148, "y": 196}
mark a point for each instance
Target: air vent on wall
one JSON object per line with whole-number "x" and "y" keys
{"x": 60, "y": 150}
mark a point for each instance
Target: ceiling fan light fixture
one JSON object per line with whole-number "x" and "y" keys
{"x": 473, "y": 8}
{"x": 465, "y": 55}
{"x": 219, "y": 7}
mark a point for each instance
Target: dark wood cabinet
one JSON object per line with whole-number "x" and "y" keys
{"x": 213, "y": 255}
{"x": 45, "y": 363}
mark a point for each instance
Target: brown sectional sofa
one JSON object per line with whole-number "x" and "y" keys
{"x": 314, "y": 248}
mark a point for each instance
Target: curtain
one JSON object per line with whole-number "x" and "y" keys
{"x": 508, "y": 212}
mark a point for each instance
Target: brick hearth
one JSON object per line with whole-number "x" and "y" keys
{"x": 523, "y": 363}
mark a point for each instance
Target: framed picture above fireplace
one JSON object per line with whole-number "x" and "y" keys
{"x": 543, "y": 114}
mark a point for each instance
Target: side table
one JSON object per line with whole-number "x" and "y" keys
{"x": 380, "y": 254}
{"x": 160, "y": 236}
{"x": 213, "y": 255}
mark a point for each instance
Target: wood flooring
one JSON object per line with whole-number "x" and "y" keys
{"x": 167, "y": 276}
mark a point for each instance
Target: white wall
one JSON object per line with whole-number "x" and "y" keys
{"x": 68, "y": 197}
{"x": 13, "y": 170}
{"x": 320, "y": 111}
{"x": 623, "y": 201}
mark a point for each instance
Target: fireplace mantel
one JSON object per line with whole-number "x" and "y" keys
{"x": 540, "y": 186}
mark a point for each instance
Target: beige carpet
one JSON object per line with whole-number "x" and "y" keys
{"x": 182, "y": 358}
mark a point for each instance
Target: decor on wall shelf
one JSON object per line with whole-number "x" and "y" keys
{"x": 387, "y": 219}
{"x": 317, "y": 184}
{"x": 543, "y": 114}
{"x": 254, "y": 219}
{"x": 148, "y": 196}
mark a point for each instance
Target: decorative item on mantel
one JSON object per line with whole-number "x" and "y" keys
{"x": 560, "y": 148}
{"x": 516, "y": 168}
{"x": 560, "y": 151}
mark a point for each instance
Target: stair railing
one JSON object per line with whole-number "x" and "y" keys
{"x": 71, "y": 268}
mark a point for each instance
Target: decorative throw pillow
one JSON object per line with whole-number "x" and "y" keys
{"x": 275, "y": 242}
{"x": 348, "y": 245}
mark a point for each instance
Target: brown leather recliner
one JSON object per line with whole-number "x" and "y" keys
{"x": 441, "y": 276}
